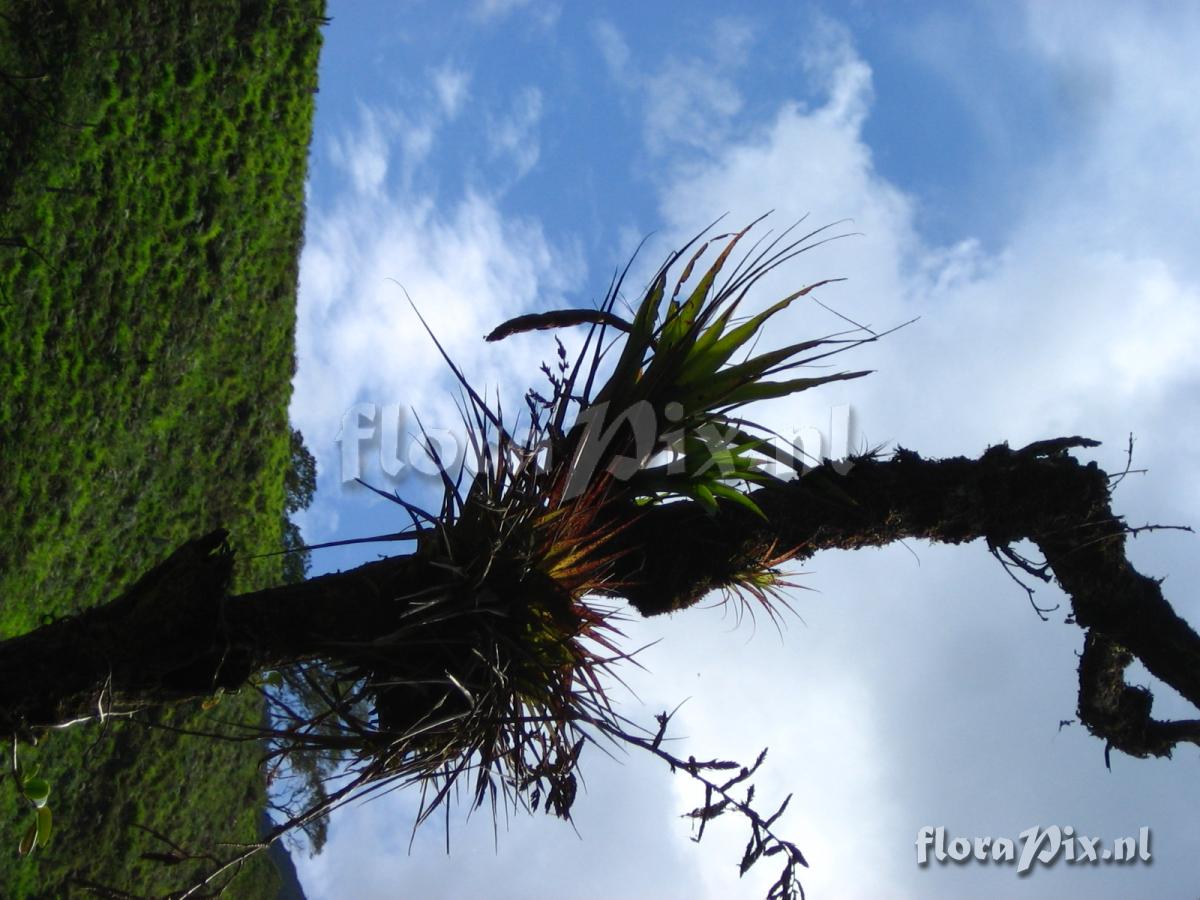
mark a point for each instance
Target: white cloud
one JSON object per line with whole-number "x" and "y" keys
{"x": 495, "y": 8}
{"x": 543, "y": 14}
{"x": 467, "y": 268}
{"x": 1080, "y": 318}
{"x": 363, "y": 155}
{"x": 366, "y": 153}
{"x": 515, "y": 134}
{"x": 831, "y": 63}
{"x": 1134, "y": 159}
{"x": 732, "y": 37}
{"x": 950, "y": 45}
{"x": 687, "y": 101}
{"x": 538, "y": 855}
{"x": 687, "y": 104}
{"x": 451, "y": 85}
{"x": 613, "y": 48}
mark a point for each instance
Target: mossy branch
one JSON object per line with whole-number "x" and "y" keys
{"x": 680, "y": 552}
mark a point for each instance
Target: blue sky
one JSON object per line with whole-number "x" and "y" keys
{"x": 1023, "y": 177}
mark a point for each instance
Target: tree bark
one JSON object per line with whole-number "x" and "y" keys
{"x": 177, "y": 635}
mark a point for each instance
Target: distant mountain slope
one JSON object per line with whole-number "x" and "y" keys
{"x": 289, "y": 887}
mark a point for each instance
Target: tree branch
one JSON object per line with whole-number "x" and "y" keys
{"x": 176, "y": 635}
{"x": 677, "y": 553}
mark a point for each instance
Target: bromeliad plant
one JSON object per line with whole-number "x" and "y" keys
{"x": 498, "y": 669}
{"x": 676, "y": 383}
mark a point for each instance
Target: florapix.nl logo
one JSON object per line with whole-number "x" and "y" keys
{"x": 1038, "y": 845}
{"x": 377, "y": 444}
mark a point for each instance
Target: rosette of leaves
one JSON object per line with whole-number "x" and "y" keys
{"x": 686, "y": 365}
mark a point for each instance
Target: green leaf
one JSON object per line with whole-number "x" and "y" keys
{"x": 704, "y": 496}
{"x": 43, "y": 826}
{"x": 770, "y": 390}
{"x": 37, "y": 790}
{"x": 718, "y": 352}
{"x": 679, "y": 326}
{"x": 720, "y": 396}
{"x": 753, "y": 368}
{"x": 780, "y": 454}
{"x": 640, "y": 339}
{"x": 691, "y": 263}
{"x": 733, "y": 494}
{"x": 673, "y": 306}
{"x": 28, "y": 840}
{"x": 717, "y": 460}
{"x": 701, "y": 351}
{"x": 709, "y": 391}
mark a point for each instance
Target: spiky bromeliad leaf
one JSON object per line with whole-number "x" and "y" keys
{"x": 749, "y": 392}
{"x": 716, "y": 346}
{"x": 680, "y": 325}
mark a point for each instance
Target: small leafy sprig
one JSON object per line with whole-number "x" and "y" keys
{"x": 35, "y": 791}
{"x": 720, "y": 798}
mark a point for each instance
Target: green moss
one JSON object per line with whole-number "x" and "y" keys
{"x": 138, "y": 306}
